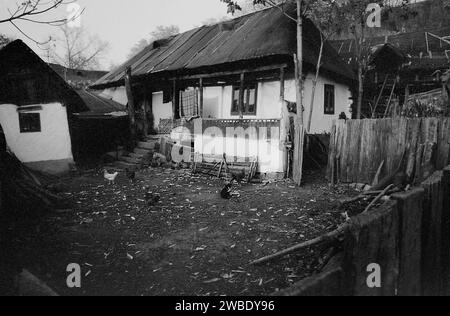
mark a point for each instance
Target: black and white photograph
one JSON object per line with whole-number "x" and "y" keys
{"x": 224, "y": 155}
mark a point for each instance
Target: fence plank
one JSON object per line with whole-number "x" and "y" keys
{"x": 360, "y": 146}
{"x": 444, "y": 144}
{"x": 373, "y": 240}
{"x": 446, "y": 233}
{"x": 410, "y": 241}
{"x": 432, "y": 235}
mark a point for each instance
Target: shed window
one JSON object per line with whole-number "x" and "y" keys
{"x": 329, "y": 99}
{"x": 30, "y": 122}
{"x": 249, "y": 102}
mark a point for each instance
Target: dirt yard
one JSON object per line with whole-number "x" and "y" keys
{"x": 192, "y": 242}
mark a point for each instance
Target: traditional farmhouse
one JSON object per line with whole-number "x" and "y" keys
{"x": 40, "y": 114}
{"x": 235, "y": 77}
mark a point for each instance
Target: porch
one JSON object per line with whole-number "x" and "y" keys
{"x": 238, "y": 141}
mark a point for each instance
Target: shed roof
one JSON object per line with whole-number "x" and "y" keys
{"x": 263, "y": 34}
{"x": 98, "y": 104}
{"x": 17, "y": 54}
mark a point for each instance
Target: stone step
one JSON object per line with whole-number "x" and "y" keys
{"x": 154, "y": 138}
{"x": 137, "y": 156}
{"x": 147, "y": 145}
{"x": 143, "y": 151}
{"x": 130, "y": 160}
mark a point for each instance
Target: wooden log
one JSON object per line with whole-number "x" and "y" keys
{"x": 220, "y": 169}
{"x": 334, "y": 236}
{"x": 378, "y": 198}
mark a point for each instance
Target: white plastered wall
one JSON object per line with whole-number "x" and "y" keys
{"x": 321, "y": 122}
{"x": 160, "y": 110}
{"x": 53, "y": 143}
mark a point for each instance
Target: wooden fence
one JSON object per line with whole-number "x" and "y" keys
{"x": 408, "y": 237}
{"x": 358, "y": 148}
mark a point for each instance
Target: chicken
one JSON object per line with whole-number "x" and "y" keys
{"x": 131, "y": 175}
{"x": 238, "y": 176}
{"x": 111, "y": 177}
{"x": 226, "y": 191}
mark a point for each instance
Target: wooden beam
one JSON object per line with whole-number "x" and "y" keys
{"x": 201, "y": 97}
{"x": 231, "y": 73}
{"x": 241, "y": 96}
{"x": 131, "y": 108}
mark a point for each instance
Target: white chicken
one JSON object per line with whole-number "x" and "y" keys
{"x": 111, "y": 177}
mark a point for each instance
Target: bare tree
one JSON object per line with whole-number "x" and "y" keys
{"x": 37, "y": 12}
{"x": 324, "y": 14}
{"x": 234, "y": 6}
{"x": 160, "y": 32}
{"x": 79, "y": 50}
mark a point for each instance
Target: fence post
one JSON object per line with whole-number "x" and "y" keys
{"x": 432, "y": 235}
{"x": 446, "y": 233}
{"x": 410, "y": 212}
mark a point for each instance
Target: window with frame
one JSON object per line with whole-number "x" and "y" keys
{"x": 249, "y": 102}
{"x": 330, "y": 99}
{"x": 30, "y": 122}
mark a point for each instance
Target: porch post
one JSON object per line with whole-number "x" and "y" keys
{"x": 144, "y": 113}
{"x": 150, "y": 116}
{"x": 241, "y": 97}
{"x": 201, "y": 97}
{"x": 405, "y": 103}
{"x": 284, "y": 124}
{"x": 282, "y": 74}
{"x": 175, "y": 101}
{"x": 131, "y": 108}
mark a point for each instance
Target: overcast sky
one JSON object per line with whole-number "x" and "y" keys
{"x": 121, "y": 22}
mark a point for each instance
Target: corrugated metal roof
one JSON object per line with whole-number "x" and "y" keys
{"x": 261, "y": 34}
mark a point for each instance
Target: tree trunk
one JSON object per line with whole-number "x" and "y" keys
{"x": 298, "y": 138}
{"x": 316, "y": 78}
{"x": 360, "y": 92}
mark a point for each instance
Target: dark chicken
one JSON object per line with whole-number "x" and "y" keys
{"x": 131, "y": 175}
{"x": 226, "y": 191}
